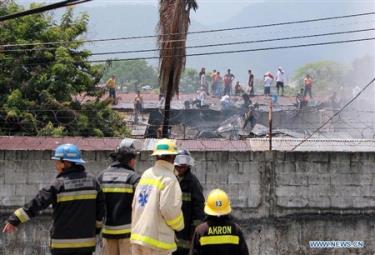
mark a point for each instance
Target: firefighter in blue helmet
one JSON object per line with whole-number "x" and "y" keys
{"x": 192, "y": 200}
{"x": 77, "y": 205}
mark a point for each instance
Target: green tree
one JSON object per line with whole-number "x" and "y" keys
{"x": 43, "y": 86}
{"x": 132, "y": 72}
{"x": 189, "y": 81}
{"x": 328, "y": 76}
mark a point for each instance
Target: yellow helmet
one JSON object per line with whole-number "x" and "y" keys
{"x": 217, "y": 203}
{"x": 165, "y": 147}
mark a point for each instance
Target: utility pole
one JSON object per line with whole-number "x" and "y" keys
{"x": 270, "y": 125}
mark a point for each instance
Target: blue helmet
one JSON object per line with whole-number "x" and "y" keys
{"x": 68, "y": 152}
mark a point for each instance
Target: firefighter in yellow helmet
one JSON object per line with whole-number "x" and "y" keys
{"x": 156, "y": 213}
{"x": 218, "y": 235}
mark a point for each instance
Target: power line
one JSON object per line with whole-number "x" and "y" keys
{"x": 210, "y": 45}
{"x": 41, "y": 9}
{"x": 242, "y": 42}
{"x": 197, "y": 32}
{"x": 242, "y": 51}
{"x": 219, "y": 52}
{"x": 215, "y": 37}
{"x": 334, "y": 115}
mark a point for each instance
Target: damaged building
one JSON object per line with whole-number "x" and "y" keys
{"x": 229, "y": 122}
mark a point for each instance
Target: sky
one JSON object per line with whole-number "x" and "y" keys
{"x": 216, "y": 13}
{"x": 210, "y": 11}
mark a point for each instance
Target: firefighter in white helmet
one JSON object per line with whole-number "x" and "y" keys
{"x": 157, "y": 204}
{"x": 192, "y": 201}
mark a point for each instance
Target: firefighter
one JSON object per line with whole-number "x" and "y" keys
{"x": 77, "y": 205}
{"x": 157, "y": 204}
{"x": 218, "y": 235}
{"x": 192, "y": 200}
{"x": 118, "y": 183}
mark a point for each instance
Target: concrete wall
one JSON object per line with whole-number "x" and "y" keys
{"x": 282, "y": 200}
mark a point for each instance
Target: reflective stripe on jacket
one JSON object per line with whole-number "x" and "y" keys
{"x": 157, "y": 208}
{"x": 77, "y": 211}
{"x": 219, "y": 236}
{"x": 118, "y": 184}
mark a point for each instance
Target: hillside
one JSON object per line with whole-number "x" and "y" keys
{"x": 130, "y": 20}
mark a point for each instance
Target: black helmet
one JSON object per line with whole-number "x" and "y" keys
{"x": 125, "y": 151}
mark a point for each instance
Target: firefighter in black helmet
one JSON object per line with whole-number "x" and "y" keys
{"x": 192, "y": 200}
{"x": 118, "y": 183}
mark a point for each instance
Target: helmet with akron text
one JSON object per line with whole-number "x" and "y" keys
{"x": 68, "y": 152}
{"x": 183, "y": 158}
{"x": 165, "y": 147}
{"x": 218, "y": 203}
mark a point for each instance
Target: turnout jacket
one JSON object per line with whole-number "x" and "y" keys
{"x": 192, "y": 208}
{"x": 218, "y": 236}
{"x": 118, "y": 183}
{"x": 157, "y": 208}
{"x": 77, "y": 211}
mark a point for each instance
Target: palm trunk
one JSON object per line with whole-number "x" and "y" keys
{"x": 173, "y": 28}
{"x": 167, "y": 107}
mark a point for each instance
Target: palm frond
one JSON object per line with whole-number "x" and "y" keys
{"x": 173, "y": 27}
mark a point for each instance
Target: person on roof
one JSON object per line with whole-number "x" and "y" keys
{"x": 118, "y": 183}
{"x": 268, "y": 79}
{"x": 280, "y": 79}
{"x": 218, "y": 235}
{"x": 77, "y": 204}
{"x": 308, "y": 81}
{"x": 156, "y": 213}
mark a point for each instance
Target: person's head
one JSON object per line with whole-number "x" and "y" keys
{"x": 217, "y": 203}
{"x": 66, "y": 156}
{"x": 218, "y": 73}
{"x": 249, "y": 71}
{"x": 183, "y": 162}
{"x": 308, "y": 76}
{"x": 214, "y": 71}
{"x": 113, "y": 76}
{"x": 125, "y": 153}
{"x": 165, "y": 149}
{"x": 237, "y": 83}
{"x": 228, "y": 71}
{"x": 203, "y": 69}
{"x": 301, "y": 91}
{"x": 138, "y": 92}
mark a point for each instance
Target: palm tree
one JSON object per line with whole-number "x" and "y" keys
{"x": 173, "y": 27}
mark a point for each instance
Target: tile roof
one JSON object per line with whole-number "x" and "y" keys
{"x": 255, "y": 144}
